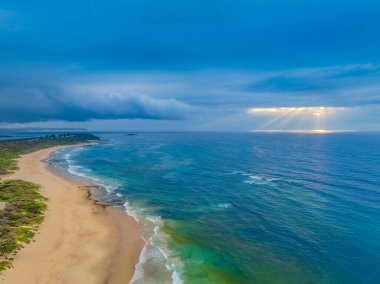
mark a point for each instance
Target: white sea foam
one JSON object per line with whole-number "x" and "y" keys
{"x": 255, "y": 179}
{"x": 238, "y": 172}
{"x": 139, "y": 267}
{"x": 154, "y": 219}
{"x": 130, "y": 211}
{"x": 224, "y": 205}
{"x": 158, "y": 242}
{"x": 154, "y": 255}
{"x": 156, "y": 252}
{"x": 83, "y": 172}
{"x": 172, "y": 264}
{"x": 176, "y": 278}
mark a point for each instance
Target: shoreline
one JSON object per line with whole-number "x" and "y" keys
{"x": 79, "y": 241}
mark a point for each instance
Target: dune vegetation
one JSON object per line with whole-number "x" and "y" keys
{"x": 10, "y": 150}
{"x": 22, "y": 212}
{"x": 21, "y": 205}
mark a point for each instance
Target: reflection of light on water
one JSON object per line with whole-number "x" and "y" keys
{"x": 321, "y": 131}
{"x": 313, "y": 131}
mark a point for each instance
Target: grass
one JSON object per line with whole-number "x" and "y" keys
{"x": 24, "y": 205}
{"x": 23, "y": 212}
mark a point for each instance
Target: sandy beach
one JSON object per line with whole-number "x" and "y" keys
{"x": 79, "y": 241}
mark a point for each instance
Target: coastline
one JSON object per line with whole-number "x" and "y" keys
{"x": 78, "y": 241}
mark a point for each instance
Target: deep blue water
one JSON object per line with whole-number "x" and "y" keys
{"x": 245, "y": 207}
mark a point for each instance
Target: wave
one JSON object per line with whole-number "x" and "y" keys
{"x": 224, "y": 205}
{"x": 138, "y": 276}
{"x": 131, "y": 211}
{"x": 158, "y": 242}
{"x": 156, "y": 252}
{"x": 86, "y": 173}
{"x": 255, "y": 178}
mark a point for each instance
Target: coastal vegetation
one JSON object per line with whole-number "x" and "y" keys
{"x": 21, "y": 213}
{"x": 10, "y": 150}
{"x": 21, "y": 205}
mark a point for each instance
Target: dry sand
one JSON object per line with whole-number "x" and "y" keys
{"x": 78, "y": 242}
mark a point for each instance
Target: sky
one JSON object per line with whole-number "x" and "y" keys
{"x": 190, "y": 65}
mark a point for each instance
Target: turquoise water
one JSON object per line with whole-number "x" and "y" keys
{"x": 244, "y": 208}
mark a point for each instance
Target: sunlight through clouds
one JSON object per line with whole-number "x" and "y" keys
{"x": 317, "y": 111}
{"x": 283, "y": 117}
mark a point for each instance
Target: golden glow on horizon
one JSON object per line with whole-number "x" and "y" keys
{"x": 283, "y": 117}
{"x": 312, "y": 131}
{"x": 317, "y": 111}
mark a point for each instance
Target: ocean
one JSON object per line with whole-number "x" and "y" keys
{"x": 244, "y": 207}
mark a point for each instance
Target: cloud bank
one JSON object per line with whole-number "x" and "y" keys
{"x": 214, "y": 98}
{"x": 191, "y": 64}
{"x": 45, "y": 103}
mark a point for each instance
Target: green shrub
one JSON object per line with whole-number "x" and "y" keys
{"x": 20, "y": 218}
{"x": 10, "y": 150}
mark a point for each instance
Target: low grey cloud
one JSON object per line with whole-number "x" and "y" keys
{"x": 348, "y": 85}
{"x": 35, "y": 93}
{"x": 44, "y": 103}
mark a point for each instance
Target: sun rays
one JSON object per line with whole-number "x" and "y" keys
{"x": 318, "y": 111}
{"x": 282, "y": 117}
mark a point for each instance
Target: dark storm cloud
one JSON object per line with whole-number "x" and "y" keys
{"x": 92, "y": 59}
{"x": 40, "y": 102}
{"x": 67, "y": 93}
